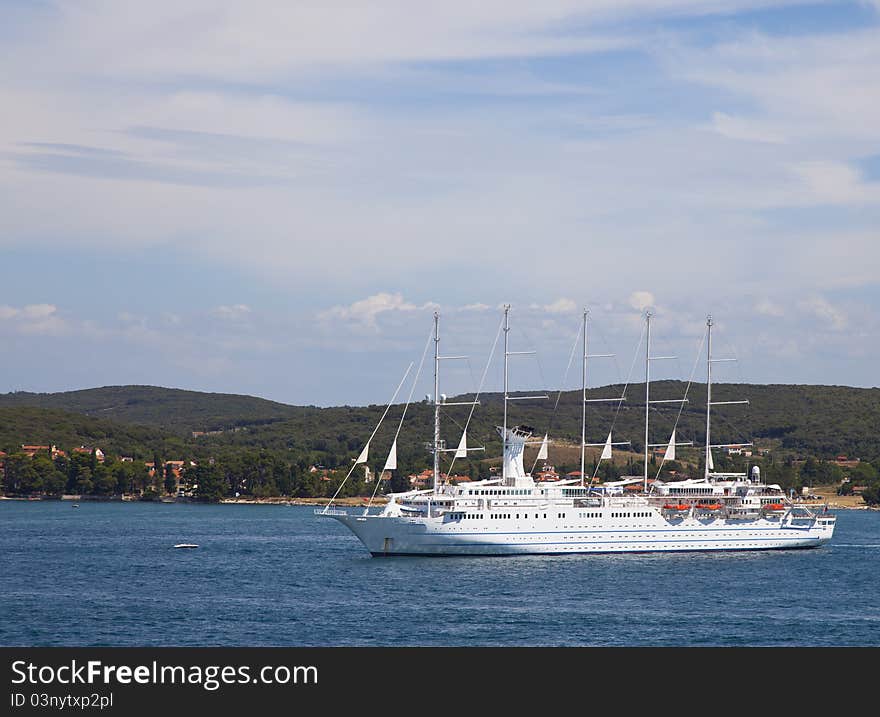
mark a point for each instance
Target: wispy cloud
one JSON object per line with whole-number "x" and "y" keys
{"x": 765, "y": 307}
{"x": 34, "y": 319}
{"x": 364, "y": 313}
{"x": 641, "y": 300}
{"x": 822, "y": 309}
{"x": 235, "y": 312}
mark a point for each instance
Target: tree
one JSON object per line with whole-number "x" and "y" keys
{"x": 51, "y": 480}
{"x": 209, "y": 481}
{"x": 103, "y": 480}
{"x": 170, "y": 479}
{"x": 84, "y": 484}
{"x": 20, "y": 477}
{"x": 399, "y": 483}
{"x": 871, "y": 495}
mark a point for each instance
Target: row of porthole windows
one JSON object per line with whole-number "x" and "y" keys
{"x": 493, "y": 516}
{"x": 493, "y": 491}
{"x": 630, "y": 515}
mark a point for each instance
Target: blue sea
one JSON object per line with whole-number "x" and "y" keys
{"x": 106, "y": 574}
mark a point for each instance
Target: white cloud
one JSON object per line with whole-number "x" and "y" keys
{"x": 744, "y": 129}
{"x": 641, "y": 300}
{"x": 38, "y": 312}
{"x": 236, "y": 312}
{"x": 769, "y": 308}
{"x": 560, "y": 306}
{"x": 823, "y": 310}
{"x": 835, "y": 182}
{"x": 366, "y": 311}
{"x": 35, "y": 319}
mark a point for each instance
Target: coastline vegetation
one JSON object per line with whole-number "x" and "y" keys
{"x": 228, "y": 446}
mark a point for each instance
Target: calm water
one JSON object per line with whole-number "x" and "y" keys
{"x": 105, "y": 574}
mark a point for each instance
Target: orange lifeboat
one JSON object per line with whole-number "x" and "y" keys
{"x": 709, "y": 506}
{"x": 774, "y": 506}
{"x": 679, "y": 507}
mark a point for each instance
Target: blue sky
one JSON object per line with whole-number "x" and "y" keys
{"x": 272, "y": 198}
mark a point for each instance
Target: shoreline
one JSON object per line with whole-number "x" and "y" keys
{"x": 279, "y": 500}
{"x": 834, "y": 502}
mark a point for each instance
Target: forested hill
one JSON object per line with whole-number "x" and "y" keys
{"x": 822, "y": 421}
{"x": 171, "y": 409}
{"x": 21, "y": 425}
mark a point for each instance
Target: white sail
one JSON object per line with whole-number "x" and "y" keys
{"x": 606, "y": 450}
{"x": 362, "y": 458}
{"x": 542, "y": 451}
{"x": 670, "y": 449}
{"x": 461, "y": 451}
{"x": 711, "y": 462}
{"x": 391, "y": 461}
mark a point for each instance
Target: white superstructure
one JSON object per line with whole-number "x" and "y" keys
{"x": 514, "y": 515}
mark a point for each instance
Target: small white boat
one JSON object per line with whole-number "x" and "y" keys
{"x": 186, "y": 545}
{"x": 75, "y": 505}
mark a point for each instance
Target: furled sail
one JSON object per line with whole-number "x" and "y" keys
{"x": 542, "y": 451}
{"x": 461, "y": 451}
{"x": 711, "y": 462}
{"x": 670, "y": 449}
{"x": 362, "y": 458}
{"x": 391, "y": 461}
{"x": 606, "y": 450}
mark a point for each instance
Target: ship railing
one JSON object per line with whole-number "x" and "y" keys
{"x": 330, "y": 511}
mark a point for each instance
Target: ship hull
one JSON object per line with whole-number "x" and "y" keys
{"x": 393, "y": 536}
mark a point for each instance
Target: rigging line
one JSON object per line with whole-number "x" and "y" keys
{"x": 604, "y": 342}
{"x": 403, "y": 415}
{"x": 372, "y": 435}
{"x": 561, "y": 388}
{"x": 479, "y": 389}
{"x": 686, "y": 391}
{"x": 528, "y": 342}
{"x": 632, "y": 367}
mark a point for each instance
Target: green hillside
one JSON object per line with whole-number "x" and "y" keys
{"x": 171, "y": 409}
{"x": 821, "y": 421}
{"x": 250, "y": 446}
{"x": 42, "y": 426}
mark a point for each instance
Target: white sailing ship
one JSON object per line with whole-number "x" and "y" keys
{"x": 514, "y": 515}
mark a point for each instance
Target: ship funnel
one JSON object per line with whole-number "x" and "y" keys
{"x": 756, "y": 474}
{"x": 514, "y": 473}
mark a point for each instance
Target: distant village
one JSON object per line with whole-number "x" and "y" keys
{"x": 174, "y": 468}
{"x": 172, "y": 475}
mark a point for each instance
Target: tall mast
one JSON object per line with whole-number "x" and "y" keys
{"x": 584, "y": 399}
{"x": 506, "y": 354}
{"x": 648, "y": 316}
{"x": 708, "y": 391}
{"x": 436, "y": 400}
